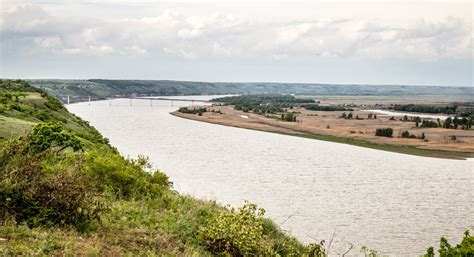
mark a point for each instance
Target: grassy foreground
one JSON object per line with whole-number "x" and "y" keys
{"x": 65, "y": 191}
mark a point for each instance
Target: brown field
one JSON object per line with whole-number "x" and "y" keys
{"x": 329, "y": 124}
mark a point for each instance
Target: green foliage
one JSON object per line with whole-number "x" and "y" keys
{"x": 45, "y": 188}
{"x": 326, "y": 108}
{"x": 262, "y": 103}
{"x": 369, "y": 252}
{"x": 199, "y": 111}
{"x": 16, "y": 85}
{"x": 455, "y": 122}
{"x": 289, "y": 116}
{"x": 464, "y": 249}
{"x": 48, "y": 135}
{"x": 238, "y": 233}
{"x": 346, "y": 116}
{"x": 428, "y": 124}
{"x": 384, "y": 132}
{"x": 406, "y": 134}
{"x": 259, "y": 99}
{"x": 25, "y": 104}
{"x": 124, "y": 177}
{"x": 426, "y": 108}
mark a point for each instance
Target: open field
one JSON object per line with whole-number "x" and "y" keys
{"x": 328, "y": 126}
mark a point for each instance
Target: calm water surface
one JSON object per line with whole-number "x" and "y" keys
{"x": 398, "y": 204}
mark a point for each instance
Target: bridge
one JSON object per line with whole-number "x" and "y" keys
{"x": 77, "y": 99}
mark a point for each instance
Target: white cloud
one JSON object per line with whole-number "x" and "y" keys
{"x": 228, "y": 35}
{"x": 243, "y": 41}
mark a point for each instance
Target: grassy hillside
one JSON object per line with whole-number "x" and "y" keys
{"x": 65, "y": 191}
{"x": 22, "y": 106}
{"x": 100, "y": 88}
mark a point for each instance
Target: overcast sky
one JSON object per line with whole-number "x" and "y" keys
{"x": 322, "y": 41}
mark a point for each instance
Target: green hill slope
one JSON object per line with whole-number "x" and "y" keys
{"x": 64, "y": 190}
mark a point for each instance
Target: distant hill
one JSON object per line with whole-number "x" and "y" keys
{"x": 102, "y": 88}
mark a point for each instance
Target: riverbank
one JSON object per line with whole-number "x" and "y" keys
{"x": 328, "y": 127}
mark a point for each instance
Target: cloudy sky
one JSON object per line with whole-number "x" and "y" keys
{"x": 372, "y": 42}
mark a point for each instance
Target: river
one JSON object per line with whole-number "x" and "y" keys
{"x": 395, "y": 203}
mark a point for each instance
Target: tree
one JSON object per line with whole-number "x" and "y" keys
{"x": 47, "y": 135}
{"x": 289, "y": 116}
{"x": 447, "y": 123}
{"x": 384, "y": 132}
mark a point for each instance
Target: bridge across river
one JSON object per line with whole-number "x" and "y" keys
{"x": 77, "y": 99}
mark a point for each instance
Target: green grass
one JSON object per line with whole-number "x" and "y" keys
{"x": 12, "y": 127}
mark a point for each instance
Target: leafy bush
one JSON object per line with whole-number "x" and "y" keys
{"x": 48, "y": 135}
{"x": 198, "y": 111}
{"x": 238, "y": 233}
{"x": 384, "y": 132}
{"x": 406, "y": 134}
{"x": 45, "y": 187}
{"x": 124, "y": 177}
{"x": 428, "y": 124}
{"x": 464, "y": 249}
{"x": 289, "y": 116}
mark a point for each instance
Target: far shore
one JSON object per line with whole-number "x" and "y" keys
{"x": 324, "y": 126}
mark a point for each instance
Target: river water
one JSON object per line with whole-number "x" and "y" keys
{"x": 395, "y": 203}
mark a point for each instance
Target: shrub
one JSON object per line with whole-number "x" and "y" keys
{"x": 237, "y": 232}
{"x": 406, "y": 134}
{"x": 45, "y": 187}
{"x": 124, "y": 177}
{"x": 198, "y": 111}
{"x": 49, "y": 135}
{"x": 428, "y": 124}
{"x": 384, "y": 132}
{"x": 289, "y": 116}
{"x": 465, "y": 248}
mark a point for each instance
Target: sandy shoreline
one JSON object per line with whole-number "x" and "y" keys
{"x": 327, "y": 126}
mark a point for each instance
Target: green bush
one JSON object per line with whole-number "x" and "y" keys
{"x": 45, "y": 187}
{"x": 124, "y": 177}
{"x": 464, "y": 249}
{"x": 384, "y": 132}
{"x": 289, "y": 116}
{"x": 238, "y": 233}
{"x": 48, "y": 135}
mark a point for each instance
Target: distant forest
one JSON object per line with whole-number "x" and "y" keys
{"x": 101, "y": 88}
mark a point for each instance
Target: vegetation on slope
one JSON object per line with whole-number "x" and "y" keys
{"x": 63, "y": 191}
{"x": 22, "y": 106}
